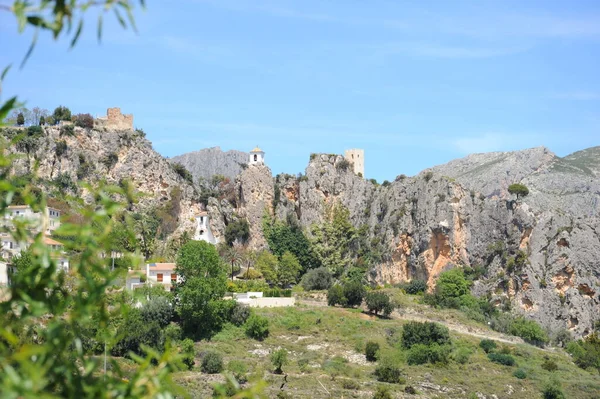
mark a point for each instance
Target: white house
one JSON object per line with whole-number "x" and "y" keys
{"x": 257, "y": 157}
{"x": 203, "y": 232}
{"x": 46, "y": 221}
{"x": 162, "y": 273}
{"x": 4, "y": 273}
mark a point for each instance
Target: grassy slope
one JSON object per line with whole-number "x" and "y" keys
{"x": 318, "y": 334}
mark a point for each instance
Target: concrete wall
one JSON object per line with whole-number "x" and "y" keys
{"x": 357, "y": 158}
{"x": 271, "y": 302}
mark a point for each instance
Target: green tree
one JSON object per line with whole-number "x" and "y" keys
{"x": 379, "y": 302}
{"x": 20, "y": 119}
{"x": 212, "y": 363}
{"x": 317, "y": 279}
{"x": 288, "y": 269}
{"x": 371, "y": 351}
{"x": 332, "y": 239}
{"x": 199, "y": 259}
{"x": 233, "y": 256}
{"x": 257, "y": 327}
{"x": 288, "y": 236}
{"x": 61, "y": 113}
{"x": 279, "y": 359}
{"x": 354, "y": 292}
{"x": 189, "y": 353}
{"x": 22, "y": 263}
{"x": 335, "y": 296}
{"x": 553, "y": 390}
{"x": 426, "y": 333}
{"x": 267, "y": 263}
{"x": 238, "y": 230}
{"x": 519, "y": 190}
{"x": 450, "y": 286}
{"x": 42, "y": 120}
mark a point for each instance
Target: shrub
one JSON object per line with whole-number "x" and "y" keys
{"x": 278, "y": 360}
{"x": 371, "y": 351}
{"x": 188, "y": 352}
{"x": 461, "y": 355}
{"x": 34, "y": 130}
{"x": 251, "y": 274}
{"x": 488, "y": 345}
{"x": 529, "y": 330}
{"x": 451, "y": 284}
{"x": 350, "y": 384}
{"x": 586, "y": 353}
{"x": 172, "y": 333}
{"x": 387, "y": 372}
{"x": 335, "y": 296}
{"x": 354, "y": 292}
{"x": 520, "y": 374}
{"x": 427, "y": 176}
{"x": 110, "y": 160}
{"x": 20, "y": 119}
{"x": 83, "y": 120}
{"x": 421, "y": 354}
{"x": 501, "y": 358}
{"x": 238, "y": 369}
{"x": 343, "y": 164}
{"x": 238, "y": 230}
{"x": 61, "y": 148}
{"x": 553, "y": 390}
{"x": 183, "y": 172}
{"x": 240, "y": 313}
{"x": 159, "y": 310}
{"x": 257, "y": 327}
{"x": 61, "y": 113}
{"x": 317, "y": 279}
{"x": 382, "y": 393}
{"x": 409, "y": 389}
{"x": 415, "y": 287}
{"x": 378, "y": 301}
{"x": 67, "y": 130}
{"x": 212, "y": 363}
{"x": 426, "y": 333}
{"x": 336, "y": 366}
{"x": 42, "y": 120}
{"x": 64, "y": 183}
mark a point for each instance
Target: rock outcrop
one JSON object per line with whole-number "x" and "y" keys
{"x": 213, "y": 161}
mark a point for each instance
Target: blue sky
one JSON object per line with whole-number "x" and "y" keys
{"x": 415, "y": 84}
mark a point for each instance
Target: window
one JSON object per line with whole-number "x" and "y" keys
{"x": 173, "y": 277}
{"x": 255, "y": 157}
{"x": 159, "y": 277}
{"x": 201, "y": 219}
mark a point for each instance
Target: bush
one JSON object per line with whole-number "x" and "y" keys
{"x": 451, "y": 285}
{"x": 212, "y": 363}
{"x": 378, "y": 301}
{"x": 461, "y": 355}
{"x": 553, "y": 390}
{"x": 64, "y": 183}
{"x": 421, "y": 354}
{"x": 183, "y": 172}
{"x": 317, "y": 279}
{"x": 239, "y": 314}
{"x": 520, "y": 374}
{"x": 189, "y": 353}
{"x": 409, "y": 389}
{"x": 257, "y": 327}
{"x": 529, "y": 330}
{"x": 426, "y": 333}
{"x": 238, "y": 230}
{"x": 83, "y": 120}
{"x": 172, "y": 333}
{"x": 343, "y": 164}
{"x": 335, "y": 296}
{"x": 415, "y": 287}
{"x": 371, "y": 351}
{"x": 501, "y": 358}
{"x": 61, "y": 148}
{"x": 238, "y": 369}
{"x": 67, "y": 130}
{"x": 61, "y": 113}
{"x": 350, "y": 384}
{"x": 488, "y": 345}
{"x": 387, "y": 372}
{"x": 159, "y": 310}
{"x": 336, "y": 366}
{"x": 354, "y": 292}
{"x": 549, "y": 365}
{"x": 382, "y": 393}
{"x": 251, "y": 274}
{"x": 586, "y": 353}
{"x": 110, "y": 160}
{"x": 278, "y": 360}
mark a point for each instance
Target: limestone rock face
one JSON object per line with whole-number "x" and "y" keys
{"x": 208, "y": 162}
{"x": 256, "y": 191}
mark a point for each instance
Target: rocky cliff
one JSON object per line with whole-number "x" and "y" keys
{"x": 208, "y": 162}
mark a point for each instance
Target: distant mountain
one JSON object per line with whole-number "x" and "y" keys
{"x": 212, "y": 161}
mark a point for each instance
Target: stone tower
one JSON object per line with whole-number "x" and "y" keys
{"x": 257, "y": 157}
{"x": 357, "y": 158}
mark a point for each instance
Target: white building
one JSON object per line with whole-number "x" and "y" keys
{"x": 46, "y": 221}
{"x": 257, "y": 157}
{"x": 357, "y": 158}
{"x": 162, "y": 273}
{"x": 4, "y": 273}
{"x": 203, "y": 232}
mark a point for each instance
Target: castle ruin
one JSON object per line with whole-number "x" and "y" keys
{"x": 357, "y": 158}
{"x": 115, "y": 119}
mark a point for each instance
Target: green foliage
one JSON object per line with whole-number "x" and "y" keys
{"x": 61, "y": 113}
{"x": 288, "y": 236}
{"x": 20, "y": 119}
{"x": 354, "y": 292}
{"x": 183, "y": 172}
{"x": 386, "y": 371}
{"x": 553, "y": 390}
{"x": 267, "y": 263}
{"x": 135, "y": 333}
{"x": 518, "y": 189}
{"x": 240, "y": 314}
{"x": 239, "y": 370}
{"x": 212, "y": 362}
{"x": 502, "y": 358}
{"x": 586, "y": 352}
{"x": 42, "y": 120}
{"x": 67, "y": 130}
{"x": 332, "y": 239}
{"x": 434, "y": 353}
{"x": 427, "y": 176}
{"x": 279, "y": 359}
{"x": 488, "y": 345}
{"x": 451, "y": 284}
{"x": 336, "y": 366}
{"x": 257, "y": 327}
{"x": 61, "y": 148}
{"x": 343, "y": 164}
{"x": 172, "y": 333}
{"x": 335, "y": 296}
{"x": 426, "y": 333}
{"x": 199, "y": 259}
{"x": 317, "y": 279}
{"x": 189, "y": 353}
{"x": 84, "y": 169}
{"x": 288, "y": 269}
{"x": 371, "y": 351}
{"x": 529, "y": 330}
{"x": 237, "y": 230}
{"x": 157, "y": 309}
{"x": 549, "y": 365}
{"x": 22, "y": 263}
{"x": 382, "y": 393}
{"x": 110, "y": 160}
{"x": 415, "y": 287}
{"x": 520, "y": 374}
{"x": 377, "y": 302}
{"x": 350, "y": 384}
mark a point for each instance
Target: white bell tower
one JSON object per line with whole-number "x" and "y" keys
{"x": 257, "y": 157}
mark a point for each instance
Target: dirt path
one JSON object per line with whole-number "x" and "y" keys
{"x": 413, "y": 315}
